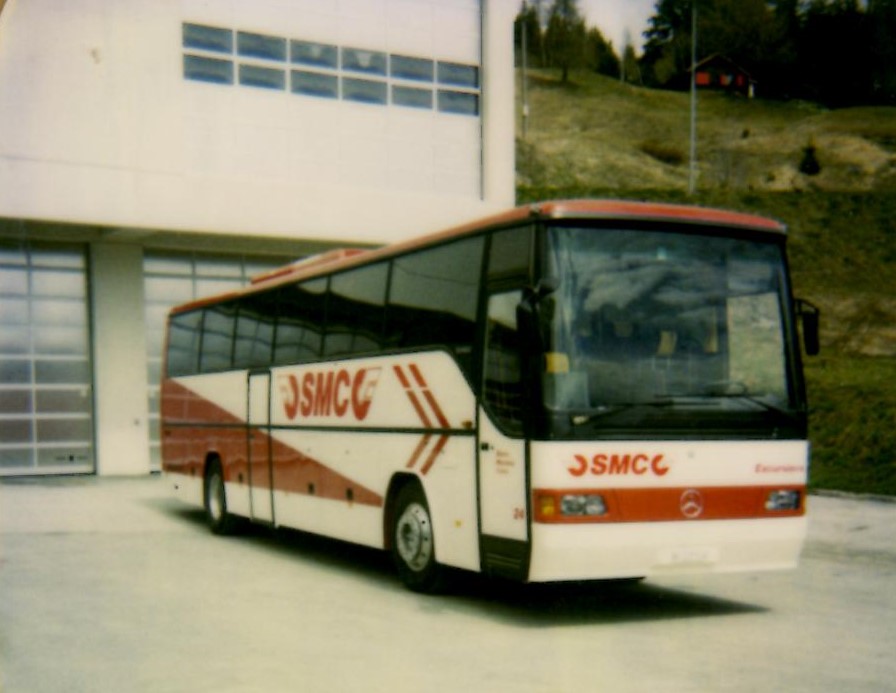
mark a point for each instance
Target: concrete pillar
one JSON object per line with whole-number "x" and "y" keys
{"x": 498, "y": 154}
{"x": 121, "y": 409}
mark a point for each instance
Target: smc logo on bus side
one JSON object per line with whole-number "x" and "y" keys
{"x": 602, "y": 464}
{"x": 329, "y": 393}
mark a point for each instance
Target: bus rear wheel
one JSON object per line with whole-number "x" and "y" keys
{"x": 413, "y": 542}
{"x": 219, "y": 520}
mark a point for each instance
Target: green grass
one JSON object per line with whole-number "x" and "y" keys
{"x": 600, "y": 138}
{"x": 852, "y": 409}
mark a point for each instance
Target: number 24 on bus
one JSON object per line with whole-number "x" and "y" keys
{"x": 571, "y": 390}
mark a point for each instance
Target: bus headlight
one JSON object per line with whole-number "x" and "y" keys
{"x": 783, "y": 499}
{"x": 570, "y": 506}
{"x": 585, "y": 504}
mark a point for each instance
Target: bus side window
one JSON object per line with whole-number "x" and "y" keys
{"x": 300, "y": 322}
{"x": 433, "y": 299}
{"x": 355, "y": 311}
{"x": 183, "y": 344}
{"x": 254, "y": 332}
{"x": 217, "y": 338}
{"x": 510, "y": 258}
{"x": 502, "y": 377}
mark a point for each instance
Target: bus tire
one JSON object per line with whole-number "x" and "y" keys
{"x": 220, "y": 521}
{"x": 413, "y": 541}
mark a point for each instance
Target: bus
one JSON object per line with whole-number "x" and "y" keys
{"x": 571, "y": 390}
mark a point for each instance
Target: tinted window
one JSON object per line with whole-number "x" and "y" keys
{"x": 418, "y": 69}
{"x": 315, "y": 84}
{"x": 458, "y": 102}
{"x": 255, "y": 332}
{"x": 509, "y": 254}
{"x": 318, "y": 54}
{"x": 364, "y": 90}
{"x": 183, "y": 343}
{"x": 355, "y": 311}
{"x": 414, "y": 98}
{"x": 208, "y": 69}
{"x": 261, "y": 46}
{"x": 356, "y": 60}
{"x": 461, "y": 75}
{"x": 434, "y": 296}
{"x": 300, "y": 323}
{"x": 265, "y": 77}
{"x": 217, "y": 338}
{"x": 503, "y": 380}
{"x": 207, "y": 38}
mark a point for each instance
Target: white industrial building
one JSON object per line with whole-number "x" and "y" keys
{"x": 153, "y": 151}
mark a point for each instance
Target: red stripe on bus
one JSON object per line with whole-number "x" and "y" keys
{"x": 419, "y": 408}
{"x": 402, "y": 378}
{"x": 418, "y": 376}
{"x": 427, "y": 395}
{"x": 437, "y": 410}
{"x": 421, "y": 446}
{"x": 415, "y": 401}
{"x": 431, "y": 460}
{"x": 205, "y": 428}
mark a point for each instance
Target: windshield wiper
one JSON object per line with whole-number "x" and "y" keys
{"x": 753, "y": 399}
{"x": 599, "y": 412}
{"x": 689, "y": 400}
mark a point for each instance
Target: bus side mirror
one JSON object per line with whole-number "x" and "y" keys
{"x": 809, "y": 317}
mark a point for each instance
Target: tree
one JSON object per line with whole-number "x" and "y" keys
{"x": 744, "y": 31}
{"x": 739, "y": 29}
{"x": 833, "y": 58}
{"x": 882, "y": 21}
{"x": 564, "y": 38}
{"x": 631, "y": 70}
{"x": 528, "y": 20}
{"x": 778, "y": 67}
{"x": 600, "y": 54}
{"x": 839, "y": 52}
{"x": 667, "y": 49}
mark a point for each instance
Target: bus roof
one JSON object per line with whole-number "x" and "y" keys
{"x": 566, "y": 210}
{"x": 651, "y": 211}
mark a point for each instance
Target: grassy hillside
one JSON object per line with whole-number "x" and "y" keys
{"x": 597, "y": 137}
{"x": 612, "y": 135}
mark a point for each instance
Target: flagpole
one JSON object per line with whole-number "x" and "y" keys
{"x": 692, "y": 169}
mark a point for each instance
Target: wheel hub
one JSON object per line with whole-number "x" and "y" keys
{"x": 413, "y": 536}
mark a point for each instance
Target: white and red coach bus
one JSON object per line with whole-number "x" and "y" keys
{"x": 571, "y": 390}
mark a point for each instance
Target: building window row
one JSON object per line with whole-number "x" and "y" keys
{"x": 328, "y": 71}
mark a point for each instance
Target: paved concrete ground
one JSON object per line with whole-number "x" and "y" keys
{"x": 109, "y": 585}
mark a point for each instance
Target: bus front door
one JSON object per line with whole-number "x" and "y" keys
{"x": 261, "y": 486}
{"x": 504, "y": 543}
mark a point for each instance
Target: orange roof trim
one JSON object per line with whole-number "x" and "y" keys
{"x": 652, "y": 211}
{"x": 309, "y": 262}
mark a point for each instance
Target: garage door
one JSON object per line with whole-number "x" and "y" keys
{"x": 46, "y": 411}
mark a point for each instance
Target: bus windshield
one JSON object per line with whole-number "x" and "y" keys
{"x": 644, "y": 323}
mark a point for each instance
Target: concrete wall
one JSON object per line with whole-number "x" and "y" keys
{"x": 119, "y": 359}
{"x": 101, "y": 126}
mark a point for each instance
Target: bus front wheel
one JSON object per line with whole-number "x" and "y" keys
{"x": 413, "y": 541}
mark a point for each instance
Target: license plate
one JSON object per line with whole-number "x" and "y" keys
{"x": 689, "y": 555}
